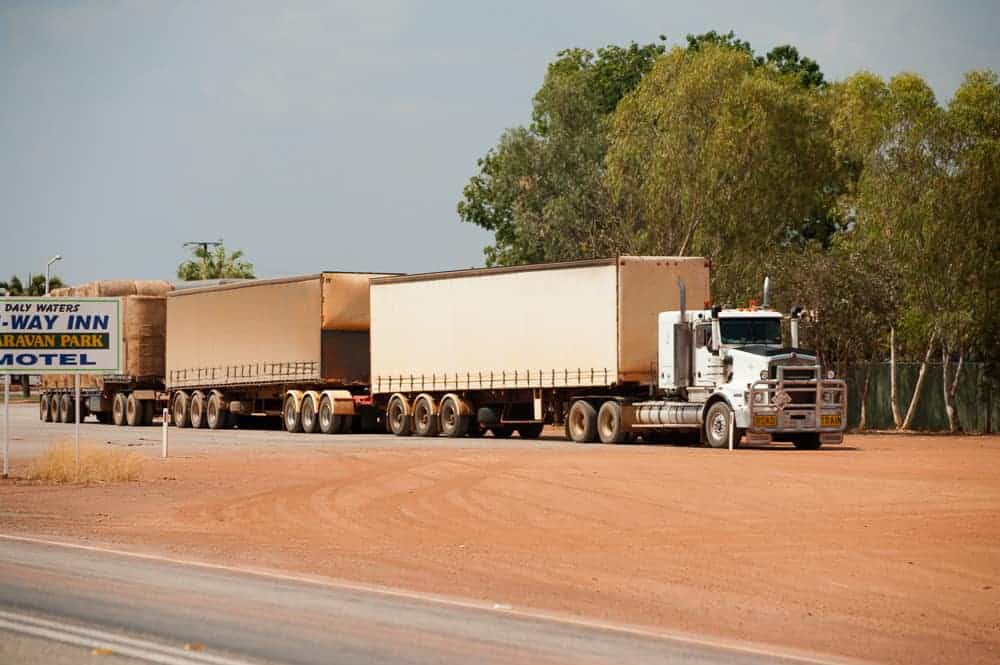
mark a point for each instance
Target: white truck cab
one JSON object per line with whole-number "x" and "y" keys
{"x": 730, "y": 371}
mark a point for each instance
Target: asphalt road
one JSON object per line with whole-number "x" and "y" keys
{"x": 58, "y": 603}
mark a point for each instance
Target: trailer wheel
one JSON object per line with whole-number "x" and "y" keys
{"x": 291, "y": 416}
{"x": 717, "y": 421}
{"x": 133, "y": 411}
{"x": 582, "y": 422}
{"x": 453, "y": 423}
{"x": 395, "y": 415}
{"x": 66, "y": 409}
{"x": 118, "y": 409}
{"x": 215, "y": 414}
{"x": 325, "y": 417}
{"x": 807, "y": 442}
{"x": 43, "y": 408}
{"x": 609, "y": 423}
{"x": 54, "y": 408}
{"x": 530, "y": 431}
{"x": 425, "y": 423}
{"x": 197, "y": 409}
{"x": 181, "y": 413}
{"x": 310, "y": 421}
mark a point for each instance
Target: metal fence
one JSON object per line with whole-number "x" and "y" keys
{"x": 977, "y": 401}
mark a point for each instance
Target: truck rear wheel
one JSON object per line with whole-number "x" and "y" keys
{"x": 118, "y": 409}
{"x": 310, "y": 420}
{"x": 43, "y": 409}
{"x": 609, "y": 423}
{"x": 181, "y": 413}
{"x": 54, "y": 408}
{"x": 197, "y": 409}
{"x": 215, "y": 414}
{"x": 530, "y": 431}
{"x": 66, "y": 406}
{"x": 133, "y": 411}
{"x": 325, "y": 417}
{"x": 453, "y": 423}
{"x": 717, "y": 421}
{"x": 581, "y": 422}
{"x": 291, "y": 416}
{"x": 425, "y": 422}
{"x": 395, "y": 416}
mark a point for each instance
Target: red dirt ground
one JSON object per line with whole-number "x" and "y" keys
{"x": 887, "y": 549}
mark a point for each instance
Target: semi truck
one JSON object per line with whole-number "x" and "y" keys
{"x": 129, "y": 398}
{"x": 293, "y": 347}
{"x": 606, "y": 347}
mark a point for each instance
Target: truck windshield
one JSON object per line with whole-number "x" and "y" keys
{"x": 751, "y": 331}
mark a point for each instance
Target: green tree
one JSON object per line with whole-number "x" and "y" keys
{"x": 215, "y": 264}
{"x": 714, "y": 155}
{"x": 36, "y": 285}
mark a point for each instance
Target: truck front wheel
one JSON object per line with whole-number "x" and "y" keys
{"x": 717, "y": 421}
{"x": 581, "y": 422}
{"x": 609, "y": 423}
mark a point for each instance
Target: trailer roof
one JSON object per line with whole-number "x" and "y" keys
{"x": 558, "y": 265}
{"x": 246, "y": 283}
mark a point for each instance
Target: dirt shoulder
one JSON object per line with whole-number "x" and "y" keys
{"x": 887, "y": 549}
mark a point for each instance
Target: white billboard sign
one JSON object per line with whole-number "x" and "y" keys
{"x": 60, "y": 335}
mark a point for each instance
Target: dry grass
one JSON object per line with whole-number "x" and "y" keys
{"x": 97, "y": 465}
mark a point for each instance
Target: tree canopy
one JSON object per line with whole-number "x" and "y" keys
{"x": 35, "y": 287}
{"x": 215, "y": 263}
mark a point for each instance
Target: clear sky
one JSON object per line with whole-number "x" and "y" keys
{"x": 339, "y": 135}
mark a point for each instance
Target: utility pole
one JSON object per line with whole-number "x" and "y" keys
{"x": 204, "y": 244}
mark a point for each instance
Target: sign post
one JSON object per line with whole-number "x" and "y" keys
{"x": 58, "y": 336}
{"x": 6, "y": 421}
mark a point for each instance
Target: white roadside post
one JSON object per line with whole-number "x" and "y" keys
{"x": 732, "y": 430}
{"x": 166, "y": 419}
{"x": 6, "y": 420}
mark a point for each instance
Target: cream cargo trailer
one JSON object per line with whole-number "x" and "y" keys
{"x": 295, "y": 347}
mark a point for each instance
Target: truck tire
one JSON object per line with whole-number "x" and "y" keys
{"x": 581, "y": 422}
{"x": 807, "y": 441}
{"x": 291, "y": 416}
{"x": 179, "y": 409}
{"x": 134, "y": 413}
{"x": 425, "y": 422}
{"x": 66, "y": 405}
{"x": 453, "y": 423}
{"x": 309, "y": 416}
{"x": 609, "y": 423}
{"x": 54, "y": 408}
{"x": 118, "y": 409}
{"x": 530, "y": 431}
{"x": 395, "y": 416}
{"x": 216, "y": 415}
{"x": 326, "y": 420}
{"x": 197, "y": 409}
{"x": 717, "y": 420}
{"x": 43, "y": 408}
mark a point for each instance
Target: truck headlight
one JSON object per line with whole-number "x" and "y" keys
{"x": 830, "y": 374}
{"x": 828, "y": 397}
{"x": 759, "y": 397}
{"x": 763, "y": 375}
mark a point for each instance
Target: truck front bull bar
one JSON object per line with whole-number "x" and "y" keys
{"x": 780, "y": 406}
